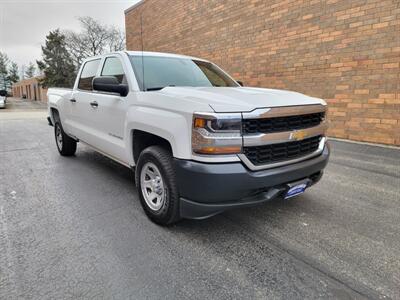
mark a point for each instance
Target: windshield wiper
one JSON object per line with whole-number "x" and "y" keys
{"x": 158, "y": 88}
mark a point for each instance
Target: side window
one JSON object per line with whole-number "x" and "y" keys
{"x": 88, "y": 73}
{"x": 113, "y": 67}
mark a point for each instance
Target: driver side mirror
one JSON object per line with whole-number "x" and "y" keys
{"x": 3, "y": 93}
{"x": 110, "y": 84}
{"x": 240, "y": 82}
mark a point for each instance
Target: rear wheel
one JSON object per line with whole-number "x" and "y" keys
{"x": 156, "y": 182}
{"x": 65, "y": 145}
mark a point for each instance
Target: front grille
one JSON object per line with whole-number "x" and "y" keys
{"x": 281, "y": 124}
{"x": 260, "y": 155}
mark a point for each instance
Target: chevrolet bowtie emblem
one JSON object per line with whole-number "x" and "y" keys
{"x": 298, "y": 135}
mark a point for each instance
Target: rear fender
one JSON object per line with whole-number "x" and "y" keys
{"x": 56, "y": 100}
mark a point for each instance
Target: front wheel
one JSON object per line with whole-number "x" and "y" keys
{"x": 157, "y": 188}
{"x": 65, "y": 145}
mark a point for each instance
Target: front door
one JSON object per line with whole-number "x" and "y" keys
{"x": 109, "y": 116}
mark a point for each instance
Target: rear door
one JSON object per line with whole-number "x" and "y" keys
{"x": 82, "y": 103}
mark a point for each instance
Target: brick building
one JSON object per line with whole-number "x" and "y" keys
{"x": 346, "y": 52}
{"x": 29, "y": 89}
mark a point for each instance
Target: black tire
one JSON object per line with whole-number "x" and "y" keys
{"x": 168, "y": 213}
{"x": 67, "y": 146}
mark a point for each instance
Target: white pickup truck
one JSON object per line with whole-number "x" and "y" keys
{"x": 198, "y": 141}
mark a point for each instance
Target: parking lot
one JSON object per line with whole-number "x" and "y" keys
{"x": 74, "y": 228}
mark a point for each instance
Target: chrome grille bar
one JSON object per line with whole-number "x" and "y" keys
{"x": 261, "y": 139}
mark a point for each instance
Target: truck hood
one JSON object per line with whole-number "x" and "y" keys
{"x": 240, "y": 99}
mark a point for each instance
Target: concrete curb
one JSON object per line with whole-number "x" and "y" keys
{"x": 364, "y": 143}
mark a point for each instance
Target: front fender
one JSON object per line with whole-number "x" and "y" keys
{"x": 173, "y": 127}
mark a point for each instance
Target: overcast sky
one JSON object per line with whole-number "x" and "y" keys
{"x": 24, "y": 24}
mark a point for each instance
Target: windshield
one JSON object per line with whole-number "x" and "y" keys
{"x": 160, "y": 72}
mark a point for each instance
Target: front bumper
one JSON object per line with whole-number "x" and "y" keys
{"x": 209, "y": 189}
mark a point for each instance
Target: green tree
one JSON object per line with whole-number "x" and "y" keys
{"x": 30, "y": 71}
{"x": 13, "y": 73}
{"x": 4, "y": 61}
{"x": 57, "y": 65}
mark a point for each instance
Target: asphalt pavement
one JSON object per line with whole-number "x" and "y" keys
{"x": 74, "y": 228}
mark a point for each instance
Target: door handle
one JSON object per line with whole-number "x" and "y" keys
{"x": 72, "y": 100}
{"x": 94, "y": 104}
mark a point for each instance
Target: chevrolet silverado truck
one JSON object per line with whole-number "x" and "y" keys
{"x": 198, "y": 141}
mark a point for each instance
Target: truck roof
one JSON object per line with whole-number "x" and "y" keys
{"x": 161, "y": 54}
{"x": 146, "y": 53}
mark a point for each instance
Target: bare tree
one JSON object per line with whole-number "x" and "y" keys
{"x": 94, "y": 39}
{"x": 95, "y": 35}
{"x": 116, "y": 39}
{"x": 76, "y": 47}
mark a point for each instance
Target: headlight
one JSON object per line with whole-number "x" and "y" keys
{"x": 217, "y": 133}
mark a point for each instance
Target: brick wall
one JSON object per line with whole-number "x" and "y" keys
{"x": 344, "y": 51}
{"x": 30, "y": 89}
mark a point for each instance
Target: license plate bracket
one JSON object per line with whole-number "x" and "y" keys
{"x": 296, "y": 188}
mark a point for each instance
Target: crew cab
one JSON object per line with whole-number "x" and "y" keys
{"x": 198, "y": 141}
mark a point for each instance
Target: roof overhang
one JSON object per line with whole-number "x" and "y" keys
{"x": 134, "y": 6}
